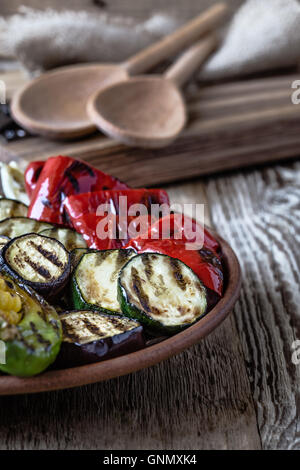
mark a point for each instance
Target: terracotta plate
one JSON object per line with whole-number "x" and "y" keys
{"x": 55, "y": 380}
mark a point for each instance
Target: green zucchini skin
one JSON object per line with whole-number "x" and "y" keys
{"x": 50, "y": 289}
{"x": 127, "y": 336}
{"x": 152, "y": 325}
{"x": 12, "y": 208}
{"x": 33, "y": 344}
{"x": 80, "y": 302}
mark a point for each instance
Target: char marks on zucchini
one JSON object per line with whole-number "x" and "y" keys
{"x": 16, "y": 226}
{"x": 12, "y": 208}
{"x": 95, "y": 279}
{"x": 68, "y": 237}
{"x": 161, "y": 292}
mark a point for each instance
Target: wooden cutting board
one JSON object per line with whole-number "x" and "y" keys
{"x": 230, "y": 125}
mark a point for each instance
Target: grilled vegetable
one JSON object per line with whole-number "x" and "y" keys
{"x": 3, "y": 241}
{"x": 39, "y": 262}
{"x": 12, "y": 182}
{"x": 60, "y": 177}
{"x": 31, "y": 176}
{"x": 205, "y": 261}
{"x": 30, "y": 328}
{"x": 12, "y": 208}
{"x": 82, "y": 210}
{"x": 95, "y": 280}
{"x": 17, "y": 226}
{"x": 76, "y": 255}
{"x": 161, "y": 292}
{"x": 68, "y": 237}
{"x": 91, "y": 336}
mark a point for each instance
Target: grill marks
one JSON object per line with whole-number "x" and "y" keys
{"x": 68, "y": 237}
{"x": 148, "y": 267}
{"x": 138, "y": 289}
{"x": 49, "y": 261}
{"x": 49, "y": 255}
{"x": 86, "y": 326}
{"x": 18, "y": 226}
{"x": 161, "y": 291}
{"x": 175, "y": 266}
{"x": 121, "y": 259}
{"x": 24, "y": 259}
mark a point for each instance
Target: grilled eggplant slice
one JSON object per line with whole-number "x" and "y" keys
{"x": 95, "y": 280}
{"x": 68, "y": 237}
{"x": 37, "y": 261}
{"x": 91, "y": 336}
{"x": 16, "y": 226}
{"x": 161, "y": 292}
{"x": 30, "y": 328}
{"x": 12, "y": 208}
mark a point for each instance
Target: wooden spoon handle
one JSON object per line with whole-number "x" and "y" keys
{"x": 175, "y": 42}
{"x": 191, "y": 60}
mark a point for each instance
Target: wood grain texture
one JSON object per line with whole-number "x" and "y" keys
{"x": 230, "y": 126}
{"x": 258, "y": 212}
{"x": 198, "y": 400}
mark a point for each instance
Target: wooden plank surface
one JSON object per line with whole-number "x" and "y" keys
{"x": 259, "y": 213}
{"x": 230, "y": 126}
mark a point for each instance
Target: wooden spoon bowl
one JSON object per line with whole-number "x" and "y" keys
{"x": 77, "y": 376}
{"x": 54, "y": 105}
{"x": 146, "y": 111}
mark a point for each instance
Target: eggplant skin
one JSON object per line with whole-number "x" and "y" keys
{"x": 48, "y": 290}
{"x": 73, "y": 354}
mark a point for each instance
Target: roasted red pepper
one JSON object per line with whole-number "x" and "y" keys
{"x": 32, "y": 175}
{"x": 61, "y": 177}
{"x": 205, "y": 261}
{"x": 81, "y": 211}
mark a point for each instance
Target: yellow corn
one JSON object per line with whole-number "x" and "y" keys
{"x": 10, "y": 304}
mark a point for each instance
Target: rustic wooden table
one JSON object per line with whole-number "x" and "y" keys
{"x": 237, "y": 389}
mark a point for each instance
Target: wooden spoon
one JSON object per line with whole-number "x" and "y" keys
{"x": 54, "y": 104}
{"x": 148, "y": 111}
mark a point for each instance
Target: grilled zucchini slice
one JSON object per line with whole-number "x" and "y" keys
{"x": 3, "y": 241}
{"x": 37, "y": 261}
{"x": 95, "y": 280}
{"x": 68, "y": 237}
{"x": 161, "y": 292}
{"x": 77, "y": 253}
{"x": 16, "y": 226}
{"x": 12, "y": 208}
{"x": 91, "y": 336}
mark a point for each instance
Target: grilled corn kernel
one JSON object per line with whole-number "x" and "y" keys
{"x": 10, "y": 305}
